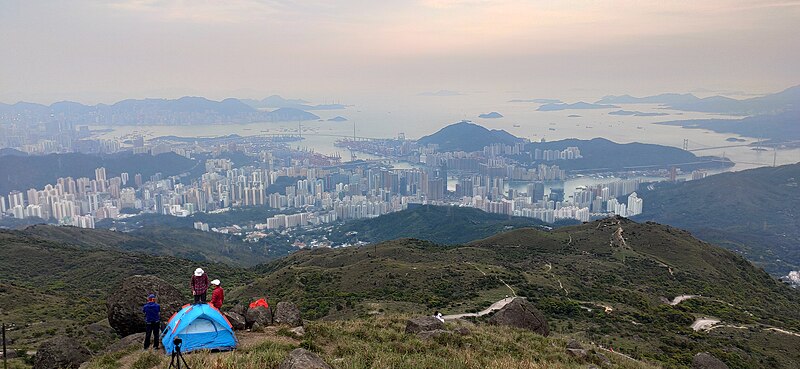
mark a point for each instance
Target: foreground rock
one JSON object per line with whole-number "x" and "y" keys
{"x": 260, "y": 315}
{"x": 705, "y": 361}
{"x": 60, "y": 352}
{"x": 136, "y": 339}
{"x": 238, "y": 322}
{"x": 426, "y": 335}
{"x": 423, "y": 324}
{"x": 125, "y": 303}
{"x": 521, "y": 314}
{"x": 303, "y": 359}
{"x": 288, "y": 313}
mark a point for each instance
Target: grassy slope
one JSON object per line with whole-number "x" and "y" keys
{"x": 588, "y": 268}
{"x": 754, "y": 212}
{"x": 46, "y": 282}
{"x": 186, "y": 243}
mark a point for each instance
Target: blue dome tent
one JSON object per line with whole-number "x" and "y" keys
{"x": 201, "y": 327}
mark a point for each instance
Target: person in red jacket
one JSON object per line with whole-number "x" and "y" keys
{"x": 199, "y": 286}
{"x": 218, "y": 294}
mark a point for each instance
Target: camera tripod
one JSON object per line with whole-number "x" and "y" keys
{"x": 177, "y": 357}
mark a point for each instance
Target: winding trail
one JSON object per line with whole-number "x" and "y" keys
{"x": 677, "y": 300}
{"x": 494, "y": 307}
{"x": 704, "y": 324}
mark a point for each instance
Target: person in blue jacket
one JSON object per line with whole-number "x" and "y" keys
{"x": 152, "y": 321}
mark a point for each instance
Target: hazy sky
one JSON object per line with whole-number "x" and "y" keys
{"x": 101, "y": 51}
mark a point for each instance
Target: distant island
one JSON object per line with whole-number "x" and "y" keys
{"x": 778, "y": 128}
{"x": 768, "y": 104}
{"x": 468, "y": 136}
{"x": 186, "y": 110}
{"x": 636, "y": 113}
{"x": 573, "y": 116}
{"x": 337, "y": 118}
{"x": 492, "y": 115}
{"x": 735, "y": 139}
{"x": 575, "y": 106}
{"x": 537, "y": 101}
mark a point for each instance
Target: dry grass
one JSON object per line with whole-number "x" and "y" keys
{"x": 380, "y": 342}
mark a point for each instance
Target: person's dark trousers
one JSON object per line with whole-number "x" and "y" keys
{"x": 200, "y": 299}
{"x": 153, "y": 328}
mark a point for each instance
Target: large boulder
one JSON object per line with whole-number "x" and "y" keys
{"x": 423, "y": 324}
{"x": 705, "y": 361}
{"x": 521, "y": 314}
{"x": 125, "y": 303}
{"x": 237, "y": 321}
{"x": 303, "y": 359}
{"x": 136, "y": 339}
{"x": 288, "y": 313}
{"x": 260, "y": 315}
{"x": 62, "y": 353}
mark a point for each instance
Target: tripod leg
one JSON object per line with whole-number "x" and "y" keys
{"x": 172, "y": 361}
{"x": 184, "y": 363}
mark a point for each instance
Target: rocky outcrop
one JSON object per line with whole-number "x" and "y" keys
{"x": 238, "y": 322}
{"x": 260, "y": 315}
{"x": 704, "y": 360}
{"x": 60, "y": 352}
{"x": 423, "y": 324}
{"x": 288, "y": 313}
{"x": 136, "y": 339}
{"x": 303, "y": 359}
{"x": 125, "y": 303}
{"x": 521, "y": 314}
{"x": 426, "y": 335}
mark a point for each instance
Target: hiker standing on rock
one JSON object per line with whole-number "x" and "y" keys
{"x": 152, "y": 321}
{"x": 218, "y": 294}
{"x": 199, "y": 286}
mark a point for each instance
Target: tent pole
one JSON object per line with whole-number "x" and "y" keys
{"x": 5, "y": 355}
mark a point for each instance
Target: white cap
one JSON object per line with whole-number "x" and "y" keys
{"x": 198, "y": 272}
{"x": 215, "y": 282}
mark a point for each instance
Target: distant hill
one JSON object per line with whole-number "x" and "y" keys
{"x": 440, "y": 224}
{"x": 24, "y": 172}
{"x": 337, "y": 118}
{"x": 276, "y": 101}
{"x": 780, "y": 127}
{"x": 600, "y": 154}
{"x": 183, "y": 111}
{"x": 467, "y": 136}
{"x": 788, "y": 99}
{"x": 491, "y": 115}
{"x": 574, "y": 106}
{"x": 604, "y": 281}
{"x": 753, "y": 212}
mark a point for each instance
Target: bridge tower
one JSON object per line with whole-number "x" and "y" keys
{"x": 686, "y": 144}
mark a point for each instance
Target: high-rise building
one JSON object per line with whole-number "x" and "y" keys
{"x": 100, "y": 174}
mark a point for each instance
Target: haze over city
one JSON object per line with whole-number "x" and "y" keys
{"x": 104, "y": 51}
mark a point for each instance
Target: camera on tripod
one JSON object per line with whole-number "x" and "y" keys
{"x": 177, "y": 356}
{"x": 177, "y": 342}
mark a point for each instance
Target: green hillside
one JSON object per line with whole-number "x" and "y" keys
{"x": 438, "y": 224}
{"x": 753, "y": 212}
{"x": 605, "y": 282}
{"x": 50, "y": 287}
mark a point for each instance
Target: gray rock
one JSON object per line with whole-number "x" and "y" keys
{"x": 425, "y": 335}
{"x": 136, "y": 339}
{"x": 62, "y": 353}
{"x": 600, "y": 359}
{"x": 240, "y": 309}
{"x": 10, "y": 354}
{"x": 704, "y": 360}
{"x": 257, "y": 327}
{"x": 303, "y": 359}
{"x": 125, "y": 303}
{"x": 422, "y": 324}
{"x": 288, "y": 313}
{"x": 521, "y": 314}
{"x": 238, "y": 322}
{"x": 580, "y": 354}
{"x": 260, "y": 315}
{"x": 572, "y": 344}
{"x": 464, "y": 331}
{"x": 298, "y": 331}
